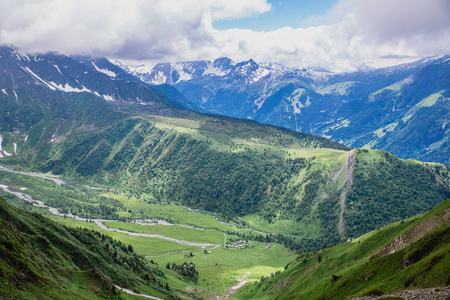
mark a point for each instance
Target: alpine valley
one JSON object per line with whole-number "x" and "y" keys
{"x": 115, "y": 187}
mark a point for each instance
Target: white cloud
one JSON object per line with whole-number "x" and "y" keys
{"x": 232, "y": 9}
{"x": 135, "y": 29}
{"x": 353, "y": 32}
{"x": 387, "y": 19}
{"x": 356, "y": 32}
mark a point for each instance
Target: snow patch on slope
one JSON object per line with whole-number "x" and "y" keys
{"x": 37, "y": 59}
{"x": 181, "y": 68}
{"x": 144, "y": 69}
{"x": 24, "y": 56}
{"x": 215, "y": 71}
{"x": 104, "y": 71}
{"x": 55, "y": 86}
{"x": 160, "y": 78}
{"x": 259, "y": 74}
{"x": 57, "y": 68}
{"x": 434, "y": 58}
{"x": 3, "y": 153}
{"x": 119, "y": 64}
{"x": 20, "y": 55}
{"x": 26, "y": 69}
{"x": 108, "y": 98}
{"x": 140, "y": 71}
{"x": 67, "y": 88}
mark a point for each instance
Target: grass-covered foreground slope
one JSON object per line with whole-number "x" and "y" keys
{"x": 410, "y": 254}
{"x": 41, "y": 258}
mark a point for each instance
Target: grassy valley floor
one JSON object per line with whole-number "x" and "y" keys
{"x": 163, "y": 233}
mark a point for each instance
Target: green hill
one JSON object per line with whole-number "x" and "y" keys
{"x": 276, "y": 180}
{"x": 41, "y": 259}
{"x": 410, "y": 254}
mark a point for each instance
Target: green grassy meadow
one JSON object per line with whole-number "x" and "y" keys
{"x": 172, "y": 213}
{"x": 220, "y": 269}
{"x": 142, "y": 245}
{"x": 182, "y": 233}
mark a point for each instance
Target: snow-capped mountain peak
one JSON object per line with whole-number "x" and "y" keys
{"x": 247, "y": 72}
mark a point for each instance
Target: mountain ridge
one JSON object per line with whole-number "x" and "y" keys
{"x": 376, "y": 108}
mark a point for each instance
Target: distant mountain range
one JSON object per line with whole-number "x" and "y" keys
{"x": 403, "y": 109}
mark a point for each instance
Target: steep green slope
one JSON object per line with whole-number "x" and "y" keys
{"x": 41, "y": 257}
{"x": 212, "y": 163}
{"x": 410, "y": 254}
{"x": 391, "y": 189}
{"x": 269, "y": 176}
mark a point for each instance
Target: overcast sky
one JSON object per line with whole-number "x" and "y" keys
{"x": 337, "y": 35}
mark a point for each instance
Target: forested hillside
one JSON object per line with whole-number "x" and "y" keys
{"x": 41, "y": 257}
